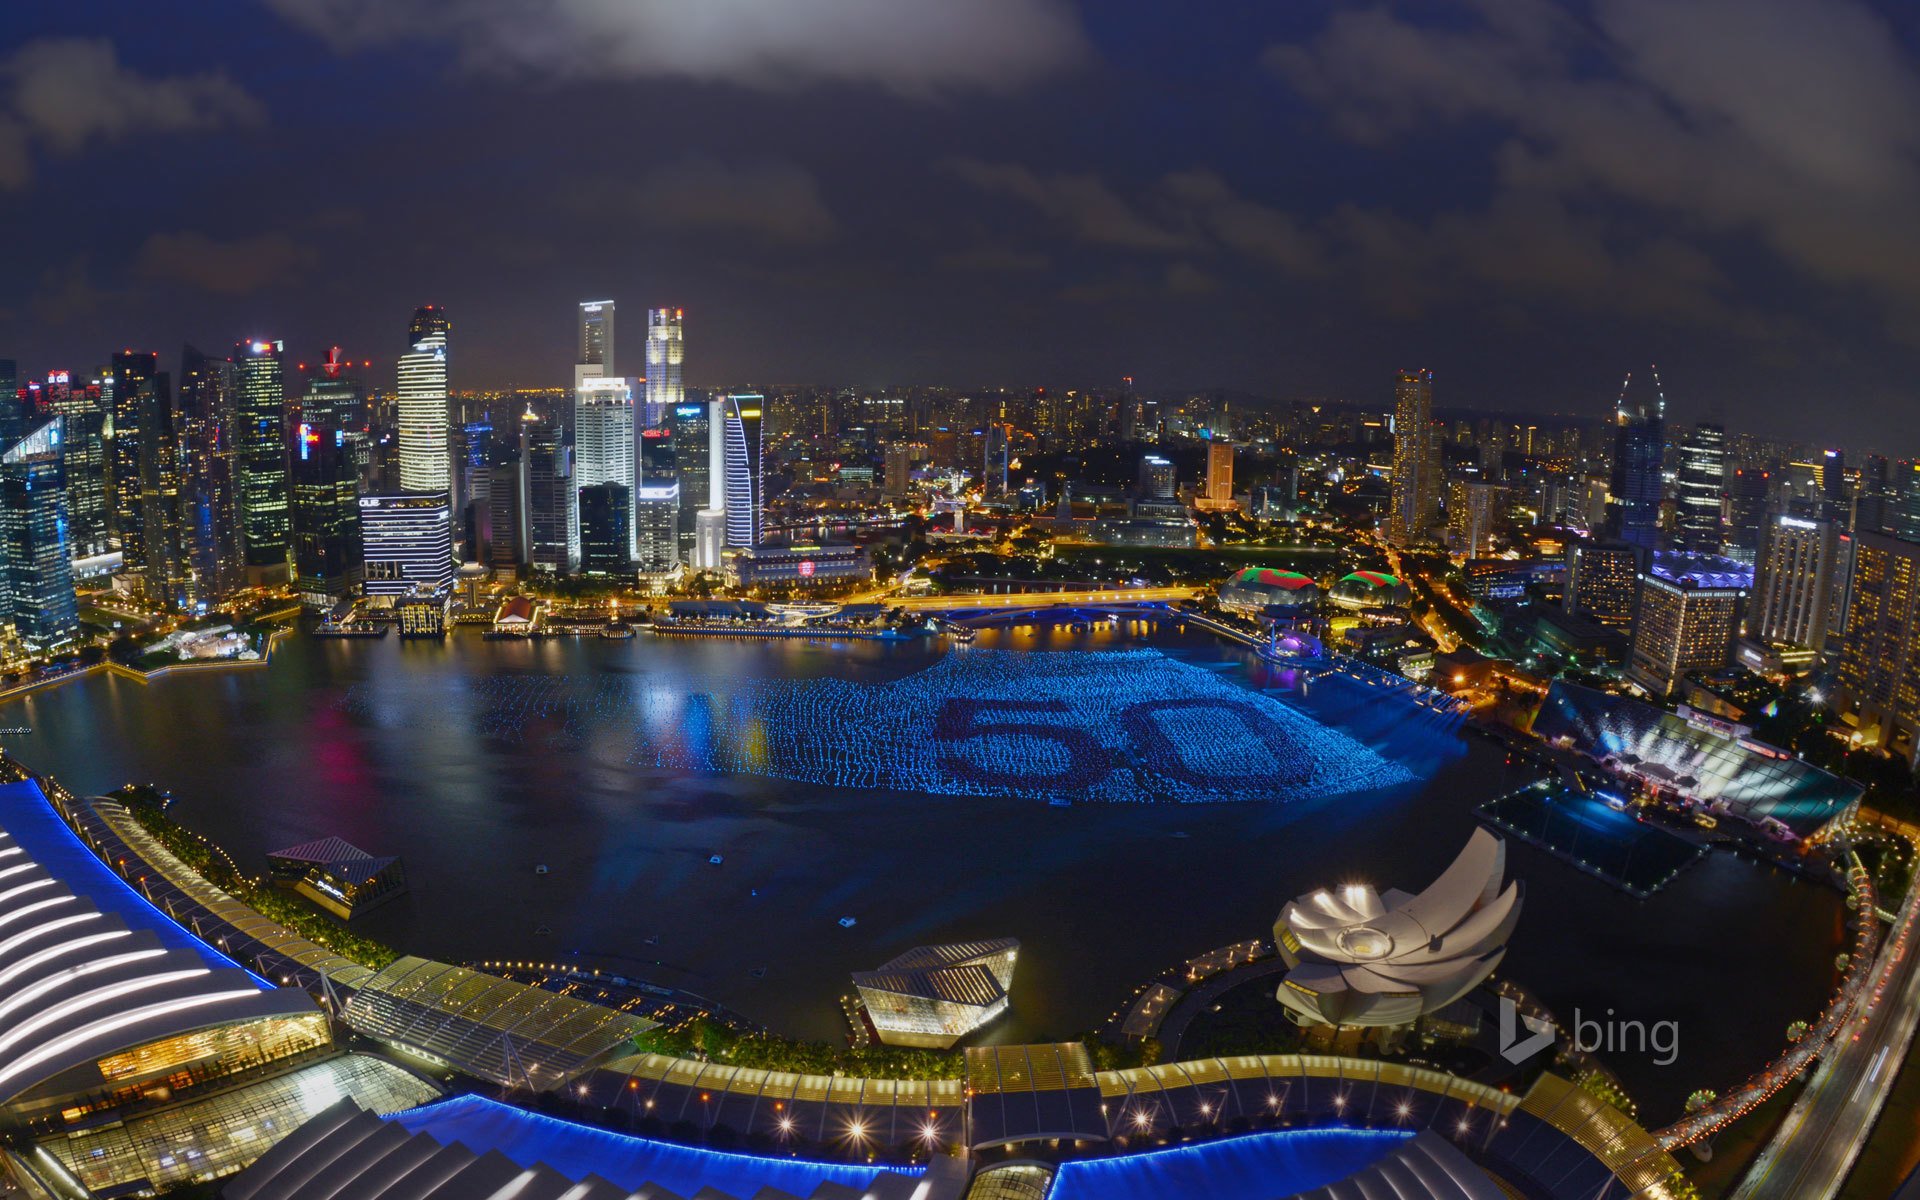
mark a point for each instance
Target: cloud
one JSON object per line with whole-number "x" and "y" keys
{"x": 1784, "y": 121}
{"x": 912, "y": 47}
{"x": 230, "y": 268}
{"x": 1082, "y": 204}
{"x": 775, "y": 201}
{"x": 64, "y": 94}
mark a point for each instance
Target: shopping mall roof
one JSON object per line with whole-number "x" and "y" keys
{"x": 473, "y": 1147}
{"x": 88, "y": 967}
{"x": 492, "y": 1028}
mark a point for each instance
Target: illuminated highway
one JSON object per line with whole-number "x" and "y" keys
{"x": 1816, "y": 1146}
{"x": 1145, "y": 595}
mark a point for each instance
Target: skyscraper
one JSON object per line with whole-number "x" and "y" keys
{"x": 1157, "y": 478}
{"x": 603, "y": 440}
{"x": 210, "y": 408}
{"x": 666, "y": 350}
{"x": 1749, "y": 491}
{"x": 335, "y": 399}
{"x": 133, "y": 372}
{"x": 741, "y": 438}
{"x": 265, "y": 511}
{"x": 163, "y": 497}
{"x": 1688, "y": 615}
{"x": 596, "y": 340}
{"x": 1639, "y": 443}
{"x": 326, "y": 517}
{"x": 1879, "y": 669}
{"x": 1699, "y": 486}
{"x": 553, "y": 528}
{"x": 1219, "y": 473}
{"x": 606, "y": 529}
{"x": 36, "y": 578}
{"x": 694, "y": 446}
{"x": 83, "y": 453}
{"x": 421, "y": 403}
{"x": 1416, "y": 460}
{"x": 406, "y": 543}
{"x": 1603, "y": 579}
{"x": 1795, "y": 585}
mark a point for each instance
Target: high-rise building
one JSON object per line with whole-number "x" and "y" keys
{"x": 164, "y": 498}
{"x": 1472, "y": 508}
{"x": 1699, "y": 486}
{"x": 603, "y": 440}
{"x": 266, "y": 519}
{"x": 336, "y": 399}
{"x": 742, "y": 498}
{"x": 553, "y": 528}
{"x": 1835, "y": 493}
{"x": 421, "y": 405}
{"x": 1219, "y": 473}
{"x": 133, "y": 372}
{"x": 595, "y": 347}
{"x": 1749, "y": 492}
{"x": 83, "y": 453}
{"x": 210, "y": 412}
{"x": 1639, "y": 444}
{"x": 406, "y": 543}
{"x": 1157, "y": 478}
{"x": 1795, "y": 585}
{"x": 995, "y": 458}
{"x": 666, "y": 352}
{"x": 326, "y": 517}
{"x": 36, "y": 576}
{"x": 698, "y": 463}
{"x": 1603, "y": 579}
{"x": 606, "y": 529}
{"x": 1879, "y": 669}
{"x": 1416, "y": 460}
{"x": 506, "y": 526}
{"x": 1687, "y": 618}
{"x": 656, "y": 519}
{"x": 13, "y": 413}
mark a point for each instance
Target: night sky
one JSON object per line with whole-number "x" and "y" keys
{"x": 1289, "y": 198}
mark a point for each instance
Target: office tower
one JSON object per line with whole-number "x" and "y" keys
{"x": 421, "y": 405}
{"x": 265, "y": 511}
{"x": 606, "y": 529}
{"x": 336, "y": 399}
{"x": 603, "y": 439}
{"x": 132, "y": 374}
{"x": 83, "y": 457}
{"x": 506, "y": 541}
{"x": 1416, "y": 460}
{"x": 1220, "y": 473}
{"x": 1157, "y": 478}
{"x": 695, "y": 449}
{"x": 995, "y": 460}
{"x": 209, "y": 406}
{"x": 326, "y": 517}
{"x": 1749, "y": 492}
{"x": 666, "y": 350}
{"x": 1603, "y": 580}
{"x": 163, "y": 497}
{"x": 596, "y": 339}
{"x": 13, "y": 415}
{"x": 1472, "y": 508}
{"x": 1879, "y": 671}
{"x": 470, "y": 445}
{"x": 742, "y": 499}
{"x": 656, "y": 519}
{"x": 36, "y": 577}
{"x": 1639, "y": 443}
{"x": 1687, "y": 617}
{"x": 1876, "y": 501}
{"x": 1836, "y": 497}
{"x": 1794, "y": 585}
{"x": 406, "y": 543}
{"x": 553, "y": 529}
{"x": 1698, "y": 487}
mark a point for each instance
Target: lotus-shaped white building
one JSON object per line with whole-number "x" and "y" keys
{"x": 1357, "y": 957}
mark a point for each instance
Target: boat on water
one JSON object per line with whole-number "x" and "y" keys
{"x": 617, "y": 631}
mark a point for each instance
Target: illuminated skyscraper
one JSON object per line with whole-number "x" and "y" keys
{"x": 656, "y": 504}
{"x": 1416, "y": 460}
{"x": 1797, "y": 582}
{"x": 1749, "y": 491}
{"x": 36, "y": 578}
{"x": 83, "y": 453}
{"x": 265, "y": 511}
{"x": 666, "y": 349}
{"x": 421, "y": 404}
{"x": 603, "y": 439}
{"x": 1688, "y": 615}
{"x": 1157, "y": 478}
{"x": 606, "y": 529}
{"x": 1219, "y": 473}
{"x": 1879, "y": 669}
{"x": 406, "y": 543}
{"x": 553, "y": 528}
{"x": 596, "y": 336}
{"x": 163, "y": 497}
{"x": 210, "y": 412}
{"x": 741, "y": 438}
{"x": 1603, "y": 579}
{"x": 695, "y": 454}
{"x": 1699, "y": 486}
{"x": 1639, "y": 442}
{"x": 133, "y": 372}
{"x": 326, "y": 518}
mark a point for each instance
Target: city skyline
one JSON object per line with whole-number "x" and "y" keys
{"x": 1179, "y": 259}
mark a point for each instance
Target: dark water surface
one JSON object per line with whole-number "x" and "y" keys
{"x": 409, "y": 748}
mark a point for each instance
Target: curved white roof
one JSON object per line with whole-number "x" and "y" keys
{"x": 88, "y": 968}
